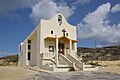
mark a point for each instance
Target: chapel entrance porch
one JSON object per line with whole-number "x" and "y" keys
{"x": 59, "y": 52}
{"x": 60, "y": 45}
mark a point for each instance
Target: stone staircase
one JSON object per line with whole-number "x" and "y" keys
{"x": 71, "y": 61}
{"x": 65, "y": 63}
{"x": 77, "y": 64}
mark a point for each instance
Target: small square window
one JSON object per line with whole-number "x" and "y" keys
{"x": 51, "y": 48}
{"x": 51, "y": 32}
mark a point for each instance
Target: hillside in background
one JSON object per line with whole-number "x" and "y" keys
{"x": 110, "y": 53}
{"x": 10, "y": 60}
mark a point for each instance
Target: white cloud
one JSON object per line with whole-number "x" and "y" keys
{"x": 81, "y": 1}
{"x": 115, "y": 8}
{"x": 40, "y": 8}
{"x": 95, "y": 25}
{"x": 45, "y": 9}
{"x": 7, "y": 6}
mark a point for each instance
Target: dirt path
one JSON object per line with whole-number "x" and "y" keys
{"x": 78, "y": 76}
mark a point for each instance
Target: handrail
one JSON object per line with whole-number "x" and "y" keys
{"x": 66, "y": 60}
{"x": 47, "y": 55}
{"x": 76, "y": 61}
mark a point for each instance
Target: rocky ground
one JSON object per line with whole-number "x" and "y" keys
{"x": 78, "y": 76}
{"x": 109, "y": 70}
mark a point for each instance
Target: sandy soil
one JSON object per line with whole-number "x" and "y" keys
{"x": 110, "y": 66}
{"x": 16, "y": 73}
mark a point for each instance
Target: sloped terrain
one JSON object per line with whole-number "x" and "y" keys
{"x": 110, "y": 53}
{"x": 11, "y": 60}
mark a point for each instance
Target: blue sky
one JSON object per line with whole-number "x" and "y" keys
{"x": 95, "y": 20}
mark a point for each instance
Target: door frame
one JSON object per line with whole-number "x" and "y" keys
{"x": 61, "y": 46}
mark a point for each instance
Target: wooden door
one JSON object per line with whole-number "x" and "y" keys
{"x": 61, "y": 48}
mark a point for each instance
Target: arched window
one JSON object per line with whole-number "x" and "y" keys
{"x": 59, "y": 19}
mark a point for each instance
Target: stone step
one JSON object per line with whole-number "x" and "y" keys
{"x": 61, "y": 69}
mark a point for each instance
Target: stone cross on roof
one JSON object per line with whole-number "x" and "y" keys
{"x": 63, "y": 32}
